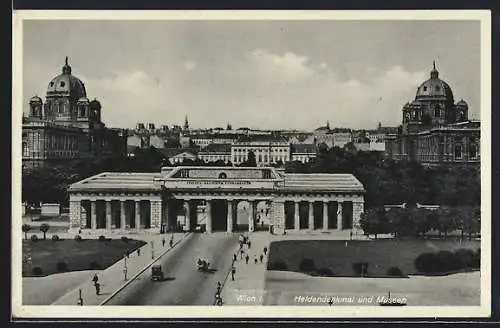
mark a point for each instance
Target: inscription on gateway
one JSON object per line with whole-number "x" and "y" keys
{"x": 220, "y": 182}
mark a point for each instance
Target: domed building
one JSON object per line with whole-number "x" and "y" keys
{"x": 435, "y": 129}
{"x": 68, "y": 125}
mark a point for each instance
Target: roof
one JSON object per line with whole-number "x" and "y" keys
{"x": 322, "y": 181}
{"x": 261, "y": 137}
{"x": 170, "y": 152}
{"x": 303, "y": 148}
{"x": 217, "y": 148}
{"x": 117, "y": 181}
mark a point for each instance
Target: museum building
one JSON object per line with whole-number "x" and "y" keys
{"x": 67, "y": 126}
{"x": 435, "y": 129}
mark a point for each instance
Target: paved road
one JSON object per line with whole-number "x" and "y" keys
{"x": 183, "y": 284}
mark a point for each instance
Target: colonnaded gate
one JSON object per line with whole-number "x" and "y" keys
{"x": 137, "y": 201}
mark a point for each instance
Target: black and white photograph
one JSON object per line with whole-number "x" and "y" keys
{"x": 176, "y": 164}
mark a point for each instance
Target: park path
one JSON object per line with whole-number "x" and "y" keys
{"x": 112, "y": 279}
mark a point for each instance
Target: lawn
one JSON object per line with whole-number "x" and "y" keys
{"x": 77, "y": 255}
{"x": 338, "y": 256}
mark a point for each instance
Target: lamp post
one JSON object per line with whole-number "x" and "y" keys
{"x": 80, "y": 299}
{"x": 152, "y": 250}
{"x": 125, "y": 268}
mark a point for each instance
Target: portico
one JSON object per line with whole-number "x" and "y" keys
{"x": 207, "y": 197}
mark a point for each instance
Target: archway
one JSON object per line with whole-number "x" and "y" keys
{"x": 241, "y": 215}
{"x": 100, "y": 214}
{"x": 115, "y": 214}
{"x": 289, "y": 215}
{"x": 219, "y": 214}
{"x": 262, "y": 219}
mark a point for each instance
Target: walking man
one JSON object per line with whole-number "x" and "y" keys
{"x": 163, "y": 242}
{"x": 95, "y": 279}
{"x": 171, "y": 242}
{"x": 265, "y": 250}
{"x": 241, "y": 254}
{"x": 233, "y": 271}
{"x": 138, "y": 252}
{"x": 247, "y": 258}
{"x": 97, "y": 288}
{"x": 261, "y": 257}
{"x": 255, "y": 260}
{"x": 235, "y": 258}
{"x": 249, "y": 244}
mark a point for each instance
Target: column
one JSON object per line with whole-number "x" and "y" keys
{"x": 108, "y": 214}
{"x": 123, "y": 223}
{"x": 251, "y": 221}
{"x": 187, "y": 217}
{"x": 137, "y": 214}
{"x": 156, "y": 212}
{"x": 164, "y": 219}
{"x": 296, "y": 216}
{"x": 75, "y": 214}
{"x": 325, "y": 215}
{"x": 339, "y": 216}
{"x": 277, "y": 214}
{"x": 229, "y": 216}
{"x": 93, "y": 214}
{"x": 208, "y": 216}
{"x": 311, "y": 215}
{"x": 358, "y": 208}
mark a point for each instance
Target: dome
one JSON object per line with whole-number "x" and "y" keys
{"x": 95, "y": 103}
{"x": 66, "y": 84}
{"x": 36, "y": 99}
{"x": 462, "y": 103}
{"x": 83, "y": 100}
{"x": 434, "y": 88}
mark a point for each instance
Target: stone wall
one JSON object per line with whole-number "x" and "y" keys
{"x": 74, "y": 214}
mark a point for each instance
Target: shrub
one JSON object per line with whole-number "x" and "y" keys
{"x": 78, "y": 238}
{"x": 55, "y": 238}
{"x": 465, "y": 257}
{"x": 395, "y": 272}
{"x": 61, "y": 266}
{"x": 37, "y": 271}
{"x": 307, "y": 265}
{"x": 102, "y": 238}
{"x": 94, "y": 265}
{"x": 447, "y": 261}
{"x": 325, "y": 272}
{"x": 360, "y": 268}
{"x": 426, "y": 263}
{"x": 124, "y": 239}
{"x": 278, "y": 265}
{"x": 34, "y": 238}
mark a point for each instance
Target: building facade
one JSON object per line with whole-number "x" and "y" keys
{"x": 67, "y": 126}
{"x": 435, "y": 129}
{"x": 134, "y": 201}
{"x": 268, "y": 149}
{"x": 216, "y": 152}
{"x": 303, "y": 152}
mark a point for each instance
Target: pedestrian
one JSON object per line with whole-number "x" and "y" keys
{"x": 128, "y": 254}
{"x": 255, "y": 259}
{"x": 97, "y": 288}
{"x": 262, "y": 224}
{"x": 261, "y": 257}
{"x": 171, "y": 242}
{"x": 138, "y": 252}
{"x": 247, "y": 258}
{"x": 241, "y": 254}
{"x": 265, "y": 250}
{"x": 163, "y": 242}
{"x": 233, "y": 271}
{"x": 95, "y": 279}
{"x": 249, "y": 244}
{"x": 235, "y": 258}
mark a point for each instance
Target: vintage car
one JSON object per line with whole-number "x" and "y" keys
{"x": 156, "y": 273}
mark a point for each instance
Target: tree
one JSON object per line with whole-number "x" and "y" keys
{"x": 420, "y": 218}
{"x": 44, "y": 228}
{"x": 446, "y": 220}
{"x": 470, "y": 220}
{"x": 374, "y": 222}
{"x": 26, "y": 228}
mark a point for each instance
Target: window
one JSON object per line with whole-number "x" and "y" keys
{"x": 425, "y": 88}
{"x": 472, "y": 152}
{"x": 437, "y": 112}
{"x": 438, "y": 88}
{"x": 51, "y": 84}
{"x": 62, "y": 84}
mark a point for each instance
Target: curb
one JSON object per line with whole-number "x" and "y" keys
{"x": 142, "y": 270}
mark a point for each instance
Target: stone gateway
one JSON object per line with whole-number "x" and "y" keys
{"x": 132, "y": 201}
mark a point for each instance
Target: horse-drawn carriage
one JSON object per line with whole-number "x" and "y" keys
{"x": 203, "y": 266}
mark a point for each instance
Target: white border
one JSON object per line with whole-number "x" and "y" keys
{"x": 274, "y": 312}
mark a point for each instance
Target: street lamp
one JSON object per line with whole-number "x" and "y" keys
{"x": 152, "y": 250}
{"x": 80, "y": 299}
{"x": 125, "y": 268}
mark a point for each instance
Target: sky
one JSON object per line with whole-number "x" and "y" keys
{"x": 259, "y": 74}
